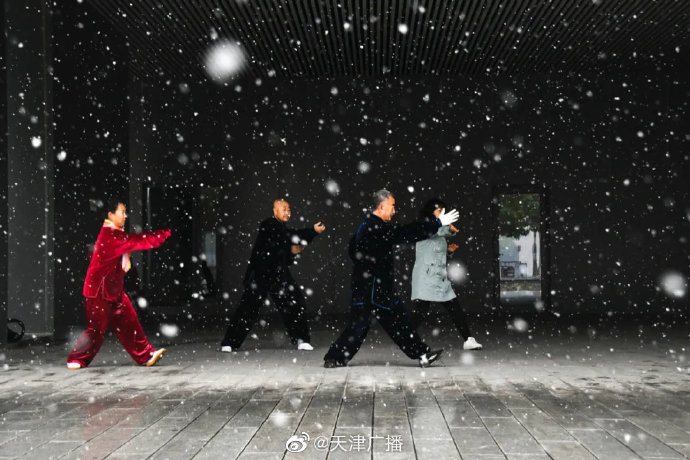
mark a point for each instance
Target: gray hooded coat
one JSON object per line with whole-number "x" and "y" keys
{"x": 429, "y": 276}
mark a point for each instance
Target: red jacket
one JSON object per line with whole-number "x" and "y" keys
{"x": 106, "y": 274}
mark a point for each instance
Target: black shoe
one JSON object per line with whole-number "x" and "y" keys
{"x": 332, "y": 363}
{"x": 429, "y": 357}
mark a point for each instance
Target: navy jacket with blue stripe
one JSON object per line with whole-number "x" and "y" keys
{"x": 372, "y": 253}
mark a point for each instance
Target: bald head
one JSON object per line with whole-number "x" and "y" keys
{"x": 281, "y": 210}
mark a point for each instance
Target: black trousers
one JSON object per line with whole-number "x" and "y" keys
{"x": 289, "y": 301}
{"x": 453, "y": 306}
{"x": 395, "y": 321}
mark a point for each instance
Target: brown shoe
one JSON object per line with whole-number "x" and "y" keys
{"x": 155, "y": 357}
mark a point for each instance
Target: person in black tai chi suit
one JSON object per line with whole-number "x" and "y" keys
{"x": 373, "y": 290}
{"x": 268, "y": 274}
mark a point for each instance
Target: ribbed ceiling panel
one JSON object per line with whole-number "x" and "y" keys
{"x": 329, "y": 38}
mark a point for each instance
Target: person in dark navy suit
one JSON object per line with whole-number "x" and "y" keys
{"x": 268, "y": 273}
{"x": 373, "y": 289}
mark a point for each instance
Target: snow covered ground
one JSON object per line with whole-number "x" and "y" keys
{"x": 531, "y": 393}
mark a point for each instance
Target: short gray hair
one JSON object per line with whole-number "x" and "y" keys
{"x": 380, "y": 196}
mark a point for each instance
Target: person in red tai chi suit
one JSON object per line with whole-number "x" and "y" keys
{"x": 107, "y": 304}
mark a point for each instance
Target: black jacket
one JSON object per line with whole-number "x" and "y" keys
{"x": 371, "y": 251}
{"x": 271, "y": 255}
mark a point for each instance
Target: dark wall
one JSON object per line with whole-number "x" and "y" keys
{"x": 611, "y": 150}
{"x": 91, "y": 144}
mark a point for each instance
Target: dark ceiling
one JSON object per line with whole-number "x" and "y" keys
{"x": 330, "y": 38}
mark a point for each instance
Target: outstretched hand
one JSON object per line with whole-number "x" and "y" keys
{"x": 453, "y": 229}
{"x": 296, "y": 248}
{"x": 448, "y": 218}
{"x": 319, "y": 227}
{"x": 452, "y": 247}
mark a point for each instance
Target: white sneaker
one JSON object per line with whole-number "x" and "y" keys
{"x": 471, "y": 344}
{"x": 302, "y": 345}
{"x": 73, "y": 366}
{"x": 155, "y": 357}
{"x": 226, "y": 349}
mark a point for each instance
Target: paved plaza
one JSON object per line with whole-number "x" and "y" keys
{"x": 558, "y": 393}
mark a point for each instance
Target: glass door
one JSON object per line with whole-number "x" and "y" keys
{"x": 520, "y": 249}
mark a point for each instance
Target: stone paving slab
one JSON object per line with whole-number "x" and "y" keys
{"x": 475, "y": 442}
{"x": 539, "y": 398}
{"x": 566, "y": 450}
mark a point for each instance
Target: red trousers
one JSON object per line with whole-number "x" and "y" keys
{"x": 120, "y": 317}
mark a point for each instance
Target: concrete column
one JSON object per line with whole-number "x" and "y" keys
{"x": 29, "y": 165}
{"x": 3, "y": 178}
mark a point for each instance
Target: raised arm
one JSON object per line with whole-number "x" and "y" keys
{"x": 124, "y": 242}
{"x": 306, "y": 235}
{"x": 301, "y": 235}
{"x": 415, "y": 231}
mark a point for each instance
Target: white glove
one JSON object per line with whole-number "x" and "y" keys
{"x": 448, "y": 218}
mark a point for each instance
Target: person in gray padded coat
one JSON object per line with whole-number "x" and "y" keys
{"x": 430, "y": 279}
